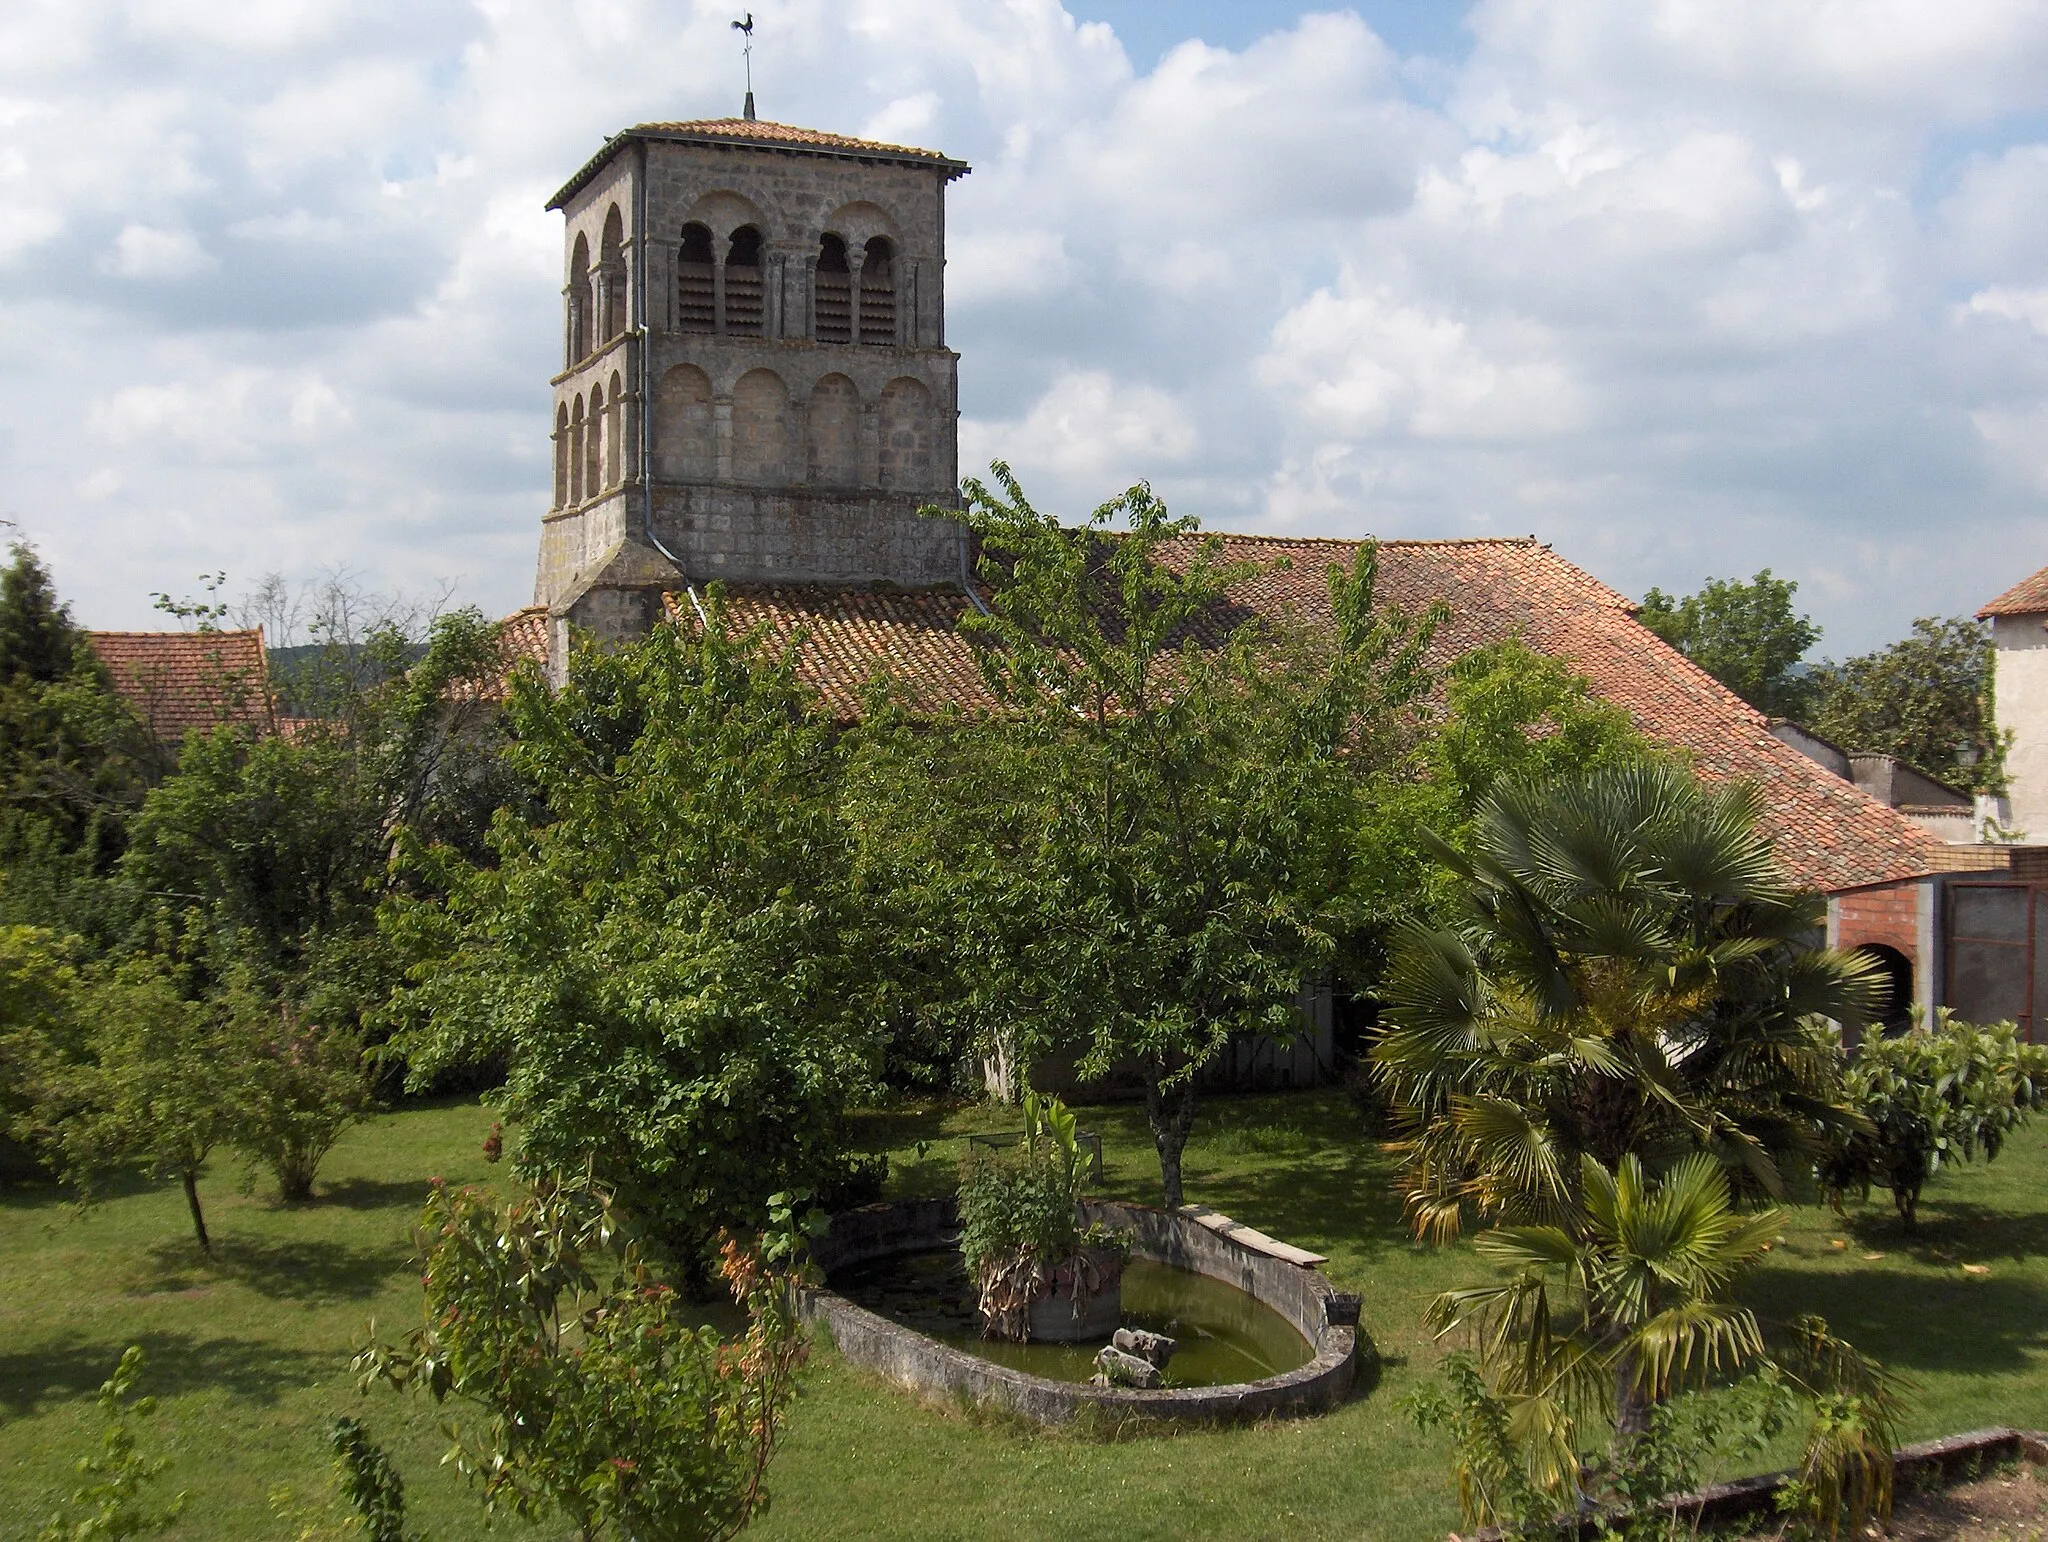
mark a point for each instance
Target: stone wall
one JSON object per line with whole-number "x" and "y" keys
{"x": 924, "y": 1365}
{"x": 2021, "y": 685}
{"x": 776, "y": 454}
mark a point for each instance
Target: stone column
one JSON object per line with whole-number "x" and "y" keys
{"x": 721, "y": 436}
{"x": 870, "y": 442}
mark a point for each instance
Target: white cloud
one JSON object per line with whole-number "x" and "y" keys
{"x": 990, "y": 265}
{"x": 1357, "y": 364}
{"x": 143, "y": 251}
{"x": 1685, "y": 286}
{"x": 1088, "y": 437}
{"x": 2024, "y": 305}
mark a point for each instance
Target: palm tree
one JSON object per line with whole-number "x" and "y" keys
{"x": 1635, "y": 977}
{"x": 1625, "y": 1044}
{"x": 1615, "y": 1314}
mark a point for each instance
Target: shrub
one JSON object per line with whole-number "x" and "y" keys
{"x": 305, "y": 1087}
{"x": 1933, "y": 1095}
{"x": 1020, "y": 1220}
{"x": 600, "y": 1399}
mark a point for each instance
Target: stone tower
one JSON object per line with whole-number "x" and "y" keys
{"x": 756, "y": 384}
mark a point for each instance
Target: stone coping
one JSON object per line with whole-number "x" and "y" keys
{"x": 1257, "y": 1241}
{"x": 925, "y": 1365}
{"x": 1939, "y": 1462}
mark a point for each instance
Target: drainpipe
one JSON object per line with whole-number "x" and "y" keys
{"x": 647, "y": 390}
{"x": 966, "y": 581}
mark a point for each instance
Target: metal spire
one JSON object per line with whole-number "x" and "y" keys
{"x": 746, "y": 30}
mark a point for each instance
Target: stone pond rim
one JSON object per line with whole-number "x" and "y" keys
{"x": 1302, "y": 1296}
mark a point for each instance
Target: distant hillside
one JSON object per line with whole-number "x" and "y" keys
{"x": 309, "y": 679}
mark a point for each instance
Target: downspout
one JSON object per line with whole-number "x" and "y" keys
{"x": 647, "y": 389}
{"x": 966, "y": 582}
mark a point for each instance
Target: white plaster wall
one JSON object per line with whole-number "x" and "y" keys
{"x": 2021, "y": 684}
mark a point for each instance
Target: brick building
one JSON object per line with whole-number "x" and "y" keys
{"x": 758, "y": 390}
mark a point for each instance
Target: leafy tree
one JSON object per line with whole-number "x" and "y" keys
{"x": 1926, "y": 699}
{"x": 74, "y": 761}
{"x": 161, "y": 1089}
{"x": 1931, "y": 1096}
{"x": 111, "y": 1500}
{"x": 666, "y": 946}
{"x": 1510, "y": 715}
{"x": 1146, "y": 848}
{"x": 40, "y": 1033}
{"x": 601, "y": 1401}
{"x": 1746, "y": 635}
{"x": 301, "y": 1087}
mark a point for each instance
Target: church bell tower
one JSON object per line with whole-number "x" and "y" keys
{"x": 756, "y": 386}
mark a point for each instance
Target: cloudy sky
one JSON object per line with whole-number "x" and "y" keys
{"x": 1684, "y": 287}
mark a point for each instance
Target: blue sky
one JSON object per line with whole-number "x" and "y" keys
{"x": 1149, "y": 30}
{"x": 1684, "y": 287}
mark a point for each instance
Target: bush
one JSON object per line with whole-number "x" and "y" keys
{"x": 599, "y": 1399}
{"x": 304, "y": 1087}
{"x": 1933, "y": 1095}
{"x": 1020, "y": 1217}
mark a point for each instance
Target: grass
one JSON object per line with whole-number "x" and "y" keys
{"x": 249, "y": 1353}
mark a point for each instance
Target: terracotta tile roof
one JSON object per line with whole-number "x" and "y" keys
{"x": 1829, "y": 834}
{"x": 521, "y": 635}
{"x": 522, "y": 638}
{"x": 179, "y": 681}
{"x": 850, "y": 636}
{"x": 754, "y": 131}
{"x": 2028, "y": 597}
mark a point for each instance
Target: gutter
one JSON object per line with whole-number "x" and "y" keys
{"x": 647, "y": 389}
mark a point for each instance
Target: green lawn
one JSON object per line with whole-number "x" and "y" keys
{"x": 249, "y": 1353}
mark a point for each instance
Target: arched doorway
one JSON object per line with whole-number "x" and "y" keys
{"x": 1895, "y": 1008}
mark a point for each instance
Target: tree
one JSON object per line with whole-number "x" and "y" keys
{"x": 1926, "y": 699}
{"x": 161, "y": 1089}
{"x": 40, "y": 1034}
{"x": 1930, "y": 1096}
{"x": 1510, "y": 715}
{"x": 1616, "y": 1311}
{"x": 600, "y": 1400}
{"x": 302, "y": 1086}
{"x": 1626, "y": 1043}
{"x": 1746, "y": 635}
{"x": 74, "y": 761}
{"x": 665, "y": 943}
{"x": 1145, "y": 848}
{"x": 1635, "y": 977}
{"x": 111, "y": 1501}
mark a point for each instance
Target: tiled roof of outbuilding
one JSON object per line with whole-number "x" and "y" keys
{"x": 2028, "y": 597}
{"x": 179, "y": 681}
{"x": 1829, "y": 834}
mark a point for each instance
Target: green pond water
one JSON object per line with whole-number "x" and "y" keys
{"x": 1225, "y": 1336}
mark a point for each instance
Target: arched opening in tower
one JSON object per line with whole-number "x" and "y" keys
{"x": 878, "y": 294}
{"x": 833, "y": 292}
{"x": 696, "y": 308}
{"x": 743, "y": 288}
